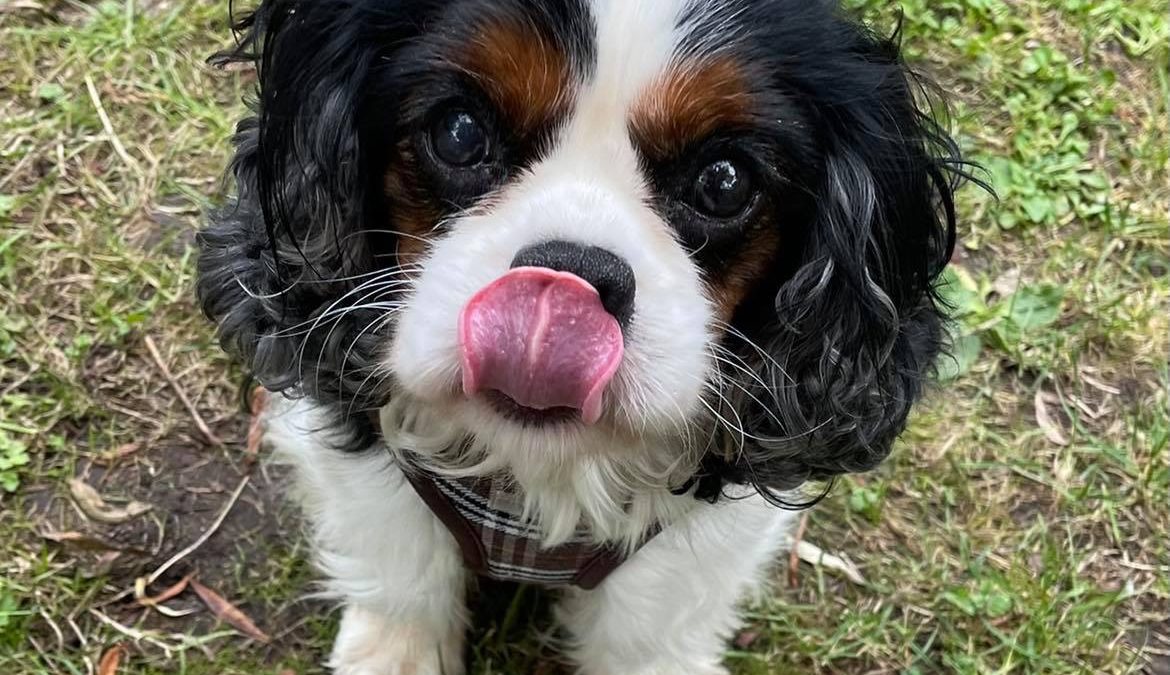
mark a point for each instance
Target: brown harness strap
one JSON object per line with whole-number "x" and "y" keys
{"x": 484, "y": 515}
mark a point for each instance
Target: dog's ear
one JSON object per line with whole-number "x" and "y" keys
{"x": 272, "y": 261}
{"x": 857, "y": 327}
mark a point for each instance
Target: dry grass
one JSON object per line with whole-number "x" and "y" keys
{"x": 1021, "y": 527}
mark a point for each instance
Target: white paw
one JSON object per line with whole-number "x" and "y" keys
{"x": 370, "y": 644}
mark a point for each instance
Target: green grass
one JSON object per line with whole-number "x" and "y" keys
{"x": 1020, "y": 527}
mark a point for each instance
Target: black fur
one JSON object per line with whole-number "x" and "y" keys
{"x": 276, "y": 265}
{"x": 851, "y": 328}
{"x": 847, "y": 319}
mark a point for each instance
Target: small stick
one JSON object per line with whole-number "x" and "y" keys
{"x": 132, "y": 633}
{"x": 166, "y": 372}
{"x": 108, "y": 126}
{"x": 256, "y": 425}
{"x": 203, "y": 537}
{"x": 153, "y": 576}
{"x": 793, "y": 556}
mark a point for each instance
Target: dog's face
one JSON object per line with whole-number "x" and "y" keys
{"x": 589, "y": 143}
{"x": 584, "y": 229}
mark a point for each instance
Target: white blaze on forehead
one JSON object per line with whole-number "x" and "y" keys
{"x": 635, "y": 42}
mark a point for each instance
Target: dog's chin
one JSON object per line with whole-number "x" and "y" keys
{"x": 500, "y": 425}
{"x": 527, "y": 417}
{"x": 495, "y": 418}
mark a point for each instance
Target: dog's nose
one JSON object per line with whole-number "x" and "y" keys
{"x": 604, "y": 270}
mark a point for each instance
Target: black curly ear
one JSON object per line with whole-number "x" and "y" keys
{"x": 274, "y": 263}
{"x": 857, "y": 327}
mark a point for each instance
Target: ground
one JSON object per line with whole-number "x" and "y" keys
{"x": 1019, "y": 527}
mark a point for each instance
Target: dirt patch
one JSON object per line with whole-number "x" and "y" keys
{"x": 1033, "y": 504}
{"x": 1152, "y": 641}
{"x": 256, "y": 558}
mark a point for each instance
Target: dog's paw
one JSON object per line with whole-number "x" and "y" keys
{"x": 369, "y": 644}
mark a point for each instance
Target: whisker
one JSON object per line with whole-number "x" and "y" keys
{"x": 390, "y": 309}
{"x": 396, "y": 233}
{"x": 387, "y": 280}
{"x": 374, "y": 325}
{"x": 768, "y": 358}
{"x": 734, "y": 360}
{"x": 746, "y": 392}
{"x": 316, "y": 323}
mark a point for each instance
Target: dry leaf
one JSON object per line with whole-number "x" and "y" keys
{"x": 120, "y": 452}
{"x": 229, "y": 613}
{"x": 746, "y": 638}
{"x": 1098, "y": 384}
{"x": 1092, "y": 413}
{"x": 15, "y": 5}
{"x": 256, "y": 425}
{"x": 96, "y": 508}
{"x": 111, "y": 660}
{"x": 90, "y": 542}
{"x": 1049, "y": 426}
{"x": 813, "y": 555}
{"x": 170, "y": 592}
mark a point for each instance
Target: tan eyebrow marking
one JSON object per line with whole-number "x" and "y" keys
{"x": 525, "y": 74}
{"x": 687, "y": 103}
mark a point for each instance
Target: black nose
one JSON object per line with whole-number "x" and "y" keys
{"x": 607, "y": 272}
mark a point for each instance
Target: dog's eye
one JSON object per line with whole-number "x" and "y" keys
{"x": 723, "y": 189}
{"x": 459, "y": 139}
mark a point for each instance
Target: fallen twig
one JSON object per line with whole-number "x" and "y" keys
{"x": 793, "y": 556}
{"x": 814, "y": 555}
{"x": 55, "y": 628}
{"x": 153, "y": 576}
{"x": 132, "y": 633}
{"x": 47, "y": 660}
{"x": 166, "y": 373}
{"x": 108, "y": 126}
{"x": 255, "y": 425}
{"x": 146, "y": 581}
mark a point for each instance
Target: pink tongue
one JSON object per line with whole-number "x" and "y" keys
{"x": 542, "y": 338}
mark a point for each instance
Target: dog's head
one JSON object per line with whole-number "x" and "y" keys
{"x": 689, "y": 237}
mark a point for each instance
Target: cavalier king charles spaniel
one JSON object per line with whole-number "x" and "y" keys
{"x": 577, "y": 293}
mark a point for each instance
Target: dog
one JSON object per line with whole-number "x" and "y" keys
{"x": 580, "y": 293}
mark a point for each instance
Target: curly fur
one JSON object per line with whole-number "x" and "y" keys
{"x": 851, "y": 336}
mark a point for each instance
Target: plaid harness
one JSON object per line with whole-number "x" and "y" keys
{"x": 484, "y": 516}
